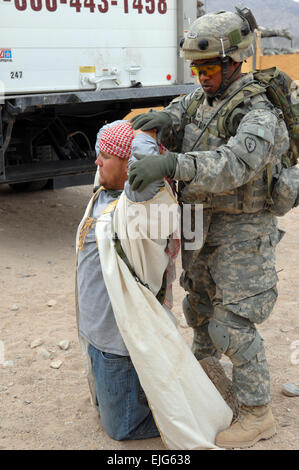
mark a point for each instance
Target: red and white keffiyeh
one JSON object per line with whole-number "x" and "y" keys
{"x": 117, "y": 140}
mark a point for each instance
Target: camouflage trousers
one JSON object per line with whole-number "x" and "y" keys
{"x": 230, "y": 288}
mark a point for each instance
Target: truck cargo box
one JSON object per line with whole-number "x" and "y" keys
{"x": 64, "y": 45}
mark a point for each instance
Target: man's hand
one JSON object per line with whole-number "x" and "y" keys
{"x": 151, "y": 120}
{"x": 151, "y": 168}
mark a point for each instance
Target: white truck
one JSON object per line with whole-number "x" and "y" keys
{"x": 69, "y": 66}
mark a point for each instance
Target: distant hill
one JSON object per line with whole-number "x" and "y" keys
{"x": 280, "y": 14}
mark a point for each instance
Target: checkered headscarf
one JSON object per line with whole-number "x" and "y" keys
{"x": 117, "y": 140}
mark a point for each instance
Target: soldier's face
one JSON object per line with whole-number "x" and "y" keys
{"x": 113, "y": 170}
{"x": 209, "y": 74}
{"x": 209, "y": 81}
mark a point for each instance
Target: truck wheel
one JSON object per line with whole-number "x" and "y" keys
{"x": 29, "y": 186}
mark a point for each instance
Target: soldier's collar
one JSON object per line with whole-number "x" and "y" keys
{"x": 247, "y": 77}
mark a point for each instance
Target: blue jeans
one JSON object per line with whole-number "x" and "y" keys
{"x": 122, "y": 403}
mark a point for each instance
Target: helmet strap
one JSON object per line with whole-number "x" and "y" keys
{"x": 226, "y": 81}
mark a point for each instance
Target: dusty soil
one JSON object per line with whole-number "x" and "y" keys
{"x": 46, "y": 408}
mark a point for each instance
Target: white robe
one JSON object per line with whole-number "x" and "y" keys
{"x": 187, "y": 408}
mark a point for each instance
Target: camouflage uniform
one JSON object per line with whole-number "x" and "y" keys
{"x": 231, "y": 281}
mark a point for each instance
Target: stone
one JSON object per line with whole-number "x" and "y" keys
{"x": 14, "y": 307}
{"x": 51, "y": 303}
{"x": 56, "y": 364}
{"x": 64, "y": 344}
{"x": 42, "y": 354}
{"x": 35, "y": 343}
{"x": 290, "y": 390}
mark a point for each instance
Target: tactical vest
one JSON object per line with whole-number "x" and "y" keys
{"x": 254, "y": 195}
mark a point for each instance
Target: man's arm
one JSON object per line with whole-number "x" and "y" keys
{"x": 143, "y": 142}
{"x": 227, "y": 167}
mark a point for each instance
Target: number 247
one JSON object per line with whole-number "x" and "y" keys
{"x": 16, "y": 75}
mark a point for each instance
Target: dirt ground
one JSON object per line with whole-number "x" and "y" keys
{"x": 42, "y": 407}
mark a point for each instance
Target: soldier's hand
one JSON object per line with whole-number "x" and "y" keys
{"x": 151, "y": 120}
{"x": 151, "y": 168}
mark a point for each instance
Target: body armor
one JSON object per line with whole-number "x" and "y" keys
{"x": 249, "y": 198}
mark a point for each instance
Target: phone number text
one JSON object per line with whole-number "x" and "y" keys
{"x": 102, "y": 6}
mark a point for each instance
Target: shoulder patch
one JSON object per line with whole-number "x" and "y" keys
{"x": 250, "y": 144}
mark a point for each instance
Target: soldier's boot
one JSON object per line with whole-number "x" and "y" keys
{"x": 217, "y": 375}
{"x": 253, "y": 424}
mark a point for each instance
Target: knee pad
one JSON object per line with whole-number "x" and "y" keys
{"x": 219, "y": 334}
{"x": 229, "y": 340}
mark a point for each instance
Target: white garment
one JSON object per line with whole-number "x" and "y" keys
{"x": 188, "y": 409}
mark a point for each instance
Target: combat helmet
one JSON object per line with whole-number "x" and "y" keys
{"x": 223, "y": 34}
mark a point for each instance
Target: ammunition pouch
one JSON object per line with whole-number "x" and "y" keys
{"x": 285, "y": 195}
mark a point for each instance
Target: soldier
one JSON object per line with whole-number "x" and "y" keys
{"x": 220, "y": 158}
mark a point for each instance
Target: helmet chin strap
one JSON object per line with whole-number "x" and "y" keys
{"x": 226, "y": 81}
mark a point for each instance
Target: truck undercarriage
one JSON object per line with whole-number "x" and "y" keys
{"x": 47, "y": 140}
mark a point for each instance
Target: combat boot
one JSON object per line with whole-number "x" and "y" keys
{"x": 254, "y": 423}
{"x": 214, "y": 370}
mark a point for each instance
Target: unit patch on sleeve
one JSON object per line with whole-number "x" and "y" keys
{"x": 250, "y": 144}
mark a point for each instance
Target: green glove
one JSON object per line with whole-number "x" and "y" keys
{"x": 151, "y": 120}
{"x": 151, "y": 168}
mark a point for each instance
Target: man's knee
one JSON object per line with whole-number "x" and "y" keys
{"x": 116, "y": 434}
{"x": 196, "y": 313}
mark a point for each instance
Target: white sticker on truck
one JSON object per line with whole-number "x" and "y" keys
{"x": 5, "y": 55}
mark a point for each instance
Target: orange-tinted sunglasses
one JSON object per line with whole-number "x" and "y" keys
{"x": 207, "y": 69}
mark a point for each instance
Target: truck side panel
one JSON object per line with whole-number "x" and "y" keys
{"x": 64, "y": 45}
